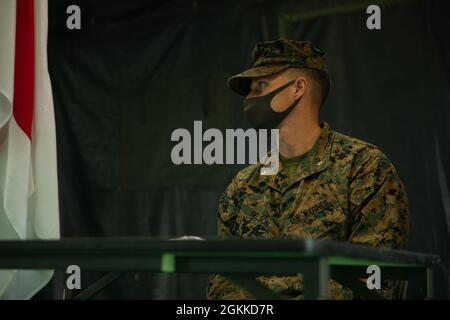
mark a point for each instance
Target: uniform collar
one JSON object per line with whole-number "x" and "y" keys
{"x": 316, "y": 160}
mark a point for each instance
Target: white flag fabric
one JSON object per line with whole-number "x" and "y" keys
{"x": 28, "y": 172}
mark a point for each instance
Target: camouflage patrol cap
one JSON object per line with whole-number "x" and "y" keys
{"x": 274, "y": 56}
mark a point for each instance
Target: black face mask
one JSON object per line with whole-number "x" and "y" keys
{"x": 259, "y": 112}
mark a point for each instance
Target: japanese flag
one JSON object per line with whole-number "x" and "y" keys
{"x": 28, "y": 175}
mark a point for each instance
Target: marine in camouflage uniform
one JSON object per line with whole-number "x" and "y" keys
{"x": 343, "y": 189}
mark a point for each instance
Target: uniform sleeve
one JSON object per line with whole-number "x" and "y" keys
{"x": 220, "y": 288}
{"x": 379, "y": 214}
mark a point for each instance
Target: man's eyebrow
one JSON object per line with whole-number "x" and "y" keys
{"x": 259, "y": 79}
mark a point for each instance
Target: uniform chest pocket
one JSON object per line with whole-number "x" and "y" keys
{"x": 255, "y": 216}
{"x": 323, "y": 219}
{"x": 254, "y": 200}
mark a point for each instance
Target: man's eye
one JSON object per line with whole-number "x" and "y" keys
{"x": 262, "y": 85}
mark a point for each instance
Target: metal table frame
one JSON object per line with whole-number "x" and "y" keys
{"x": 238, "y": 260}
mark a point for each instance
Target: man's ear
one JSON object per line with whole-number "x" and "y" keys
{"x": 300, "y": 85}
